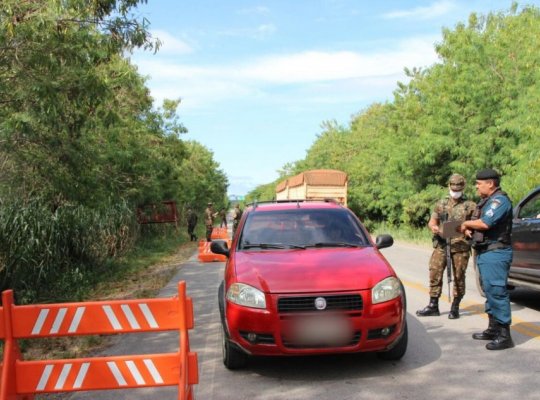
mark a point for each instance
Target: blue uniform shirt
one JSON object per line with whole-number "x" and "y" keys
{"x": 495, "y": 211}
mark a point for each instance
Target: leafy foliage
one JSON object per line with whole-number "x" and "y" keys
{"x": 81, "y": 143}
{"x": 43, "y": 252}
{"x": 476, "y": 108}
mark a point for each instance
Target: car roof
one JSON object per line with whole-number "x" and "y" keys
{"x": 293, "y": 205}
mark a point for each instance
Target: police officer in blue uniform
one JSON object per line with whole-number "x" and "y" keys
{"x": 491, "y": 229}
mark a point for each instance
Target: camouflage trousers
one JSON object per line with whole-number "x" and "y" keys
{"x": 437, "y": 265}
{"x": 209, "y": 229}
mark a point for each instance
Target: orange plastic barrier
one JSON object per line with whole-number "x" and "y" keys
{"x": 22, "y": 379}
{"x": 219, "y": 233}
{"x": 206, "y": 255}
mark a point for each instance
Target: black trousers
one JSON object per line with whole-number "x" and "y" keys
{"x": 190, "y": 230}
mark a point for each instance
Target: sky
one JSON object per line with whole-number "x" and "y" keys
{"x": 257, "y": 79}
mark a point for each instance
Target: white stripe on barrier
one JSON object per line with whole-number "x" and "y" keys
{"x": 58, "y": 320}
{"x": 44, "y": 377}
{"x": 117, "y": 374}
{"x": 130, "y": 317}
{"x": 63, "y": 376}
{"x": 40, "y": 321}
{"x": 135, "y": 372}
{"x": 153, "y": 370}
{"x": 81, "y": 375}
{"x": 112, "y": 318}
{"x": 76, "y": 319}
{"x": 148, "y": 315}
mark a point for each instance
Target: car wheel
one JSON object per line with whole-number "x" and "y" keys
{"x": 398, "y": 351}
{"x": 233, "y": 358}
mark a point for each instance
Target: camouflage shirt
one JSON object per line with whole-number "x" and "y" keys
{"x": 237, "y": 214}
{"x": 456, "y": 210}
{"x": 209, "y": 216}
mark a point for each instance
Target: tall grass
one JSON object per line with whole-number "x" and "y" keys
{"x": 44, "y": 252}
{"x": 421, "y": 236}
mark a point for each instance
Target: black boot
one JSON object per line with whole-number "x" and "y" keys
{"x": 432, "y": 309}
{"x": 503, "y": 339}
{"x": 454, "y": 310}
{"x": 490, "y": 333}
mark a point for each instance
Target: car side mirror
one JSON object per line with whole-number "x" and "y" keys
{"x": 220, "y": 247}
{"x": 383, "y": 241}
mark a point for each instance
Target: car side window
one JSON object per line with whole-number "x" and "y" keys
{"x": 531, "y": 209}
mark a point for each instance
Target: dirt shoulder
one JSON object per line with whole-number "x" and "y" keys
{"x": 145, "y": 283}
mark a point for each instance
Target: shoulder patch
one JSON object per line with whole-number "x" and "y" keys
{"x": 495, "y": 203}
{"x": 489, "y": 212}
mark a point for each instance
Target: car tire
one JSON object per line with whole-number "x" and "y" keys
{"x": 233, "y": 358}
{"x": 221, "y": 303}
{"x": 398, "y": 351}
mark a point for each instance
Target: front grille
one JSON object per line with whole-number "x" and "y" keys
{"x": 291, "y": 344}
{"x": 352, "y": 302}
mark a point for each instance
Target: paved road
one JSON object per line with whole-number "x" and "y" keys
{"x": 442, "y": 361}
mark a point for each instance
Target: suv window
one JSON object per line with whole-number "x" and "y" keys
{"x": 531, "y": 209}
{"x": 302, "y": 227}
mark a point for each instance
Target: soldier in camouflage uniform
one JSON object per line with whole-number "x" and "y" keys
{"x": 237, "y": 214}
{"x": 209, "y": 217}
{"x": 454, "y": 207}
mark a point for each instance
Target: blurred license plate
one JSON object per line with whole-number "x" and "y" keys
{"x": 329, "y": 330}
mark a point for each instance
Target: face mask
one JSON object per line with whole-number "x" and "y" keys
{"x": 455, "y": 195}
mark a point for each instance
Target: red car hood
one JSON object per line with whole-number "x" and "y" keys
{"x": 311, "y": 270}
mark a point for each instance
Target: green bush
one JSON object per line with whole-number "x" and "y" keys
{"x": 417, "y": 208}
{"x": 421, "y": 236}
{"x": 44, "y": 251}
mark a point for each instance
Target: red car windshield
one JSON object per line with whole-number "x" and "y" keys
{"x": 301, "y": 228}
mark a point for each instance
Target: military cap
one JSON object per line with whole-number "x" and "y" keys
{"x": 209, "y": 203}
{"x": 487, "y": 173}
{"x": 457, "y": 180}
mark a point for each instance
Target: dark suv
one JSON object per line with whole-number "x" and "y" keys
{"x": 525, "y": 269}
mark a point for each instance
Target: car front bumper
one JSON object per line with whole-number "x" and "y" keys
{"x": 375, "y": 327}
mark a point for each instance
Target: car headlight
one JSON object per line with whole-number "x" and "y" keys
{"x": 245, "y": 295}
{"x": 385, "y": 290}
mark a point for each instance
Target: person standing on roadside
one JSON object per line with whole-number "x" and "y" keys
{"x": 192, "y": 222}
{"x": 454, "y": 207}
{"x": 209, "y": 216}
{"x": 237, "y": 214}
{"x": 491, "y": 231}
{"x": 223, "y": 216}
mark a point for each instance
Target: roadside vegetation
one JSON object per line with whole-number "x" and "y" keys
{"x": 82, "y": 145}
{"x": 477, "y": 107}
{"x": 140, "y": 274}
{"x": 405, "y": 233}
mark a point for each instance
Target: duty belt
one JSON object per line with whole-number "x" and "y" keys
{"x": 493, "y": 246}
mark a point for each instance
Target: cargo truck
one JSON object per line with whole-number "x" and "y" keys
{"x": 317, "y": 184}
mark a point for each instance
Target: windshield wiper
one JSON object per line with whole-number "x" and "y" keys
{"x": 333, "y": 244}
{"x": 272, "y": 246}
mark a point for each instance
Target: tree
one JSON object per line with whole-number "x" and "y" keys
{"x": 475, "y": 108}
{"x": 59, "y": 67}
{"x": 201, "y": 178}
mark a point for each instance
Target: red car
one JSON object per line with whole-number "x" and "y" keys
{"x": 305, "y": 278}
